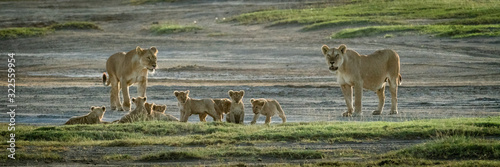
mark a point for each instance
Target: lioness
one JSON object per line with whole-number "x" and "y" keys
{"x": 189, "y": 106}
{"x": 126, "y": 69}
{"x": 364, "y": 71}
{"x": 93, "y": 117}
{"x": 267, "y": 107}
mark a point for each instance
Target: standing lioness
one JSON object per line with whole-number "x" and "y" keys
{"x": 364, "y": 71}
{"x": 126, "y": 69}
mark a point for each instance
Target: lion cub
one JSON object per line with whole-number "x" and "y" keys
{"x": 138, "y": 114}
{"x": 237, "y": 108}
{"x": 189, "y": 106}
{"x": 267, "y": 107}
{"x": 157, "y": 113}
{"x": 93, "y": 117}
{"x": 222, "y": 107}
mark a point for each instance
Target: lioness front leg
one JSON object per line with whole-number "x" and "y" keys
{"x": 141, "y": 87}
{"x": 347, "y": 91}
{"x": 126, "y": 96}
{"x": 381, "y": 101}
{"x": 358, "y": 93}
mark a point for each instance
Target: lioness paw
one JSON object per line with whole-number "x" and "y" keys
{"x": 376, "y": 112}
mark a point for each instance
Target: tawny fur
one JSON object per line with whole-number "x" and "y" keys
{"x": 157, "y": 113}
{"x": 268, "y": 108}
{"x": 138, "y": 114}
{"x": 237, "y": 109}
{"x": 126, "y": 69}
{"x": 188, "y": 106}
{"x": 93, "y": 117}
{"x": 364, "y": 72}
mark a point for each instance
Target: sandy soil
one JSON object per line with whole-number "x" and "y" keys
{"x": 59, "y": 75}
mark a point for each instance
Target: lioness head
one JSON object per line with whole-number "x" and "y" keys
{"x": 148, "y": 58}
{"x": 257, "y": 105}
{"x": 98, "y": 111}
{"x": 334, "y": 56}
{"x": 236, "y": 95}
{"x": 182, "y": 96}
{"x": 139, "y": 101}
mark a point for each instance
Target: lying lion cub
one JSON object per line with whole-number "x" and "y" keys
{"x": 189, "y": 106}
{"x": 267, "y": 107}
{"x": 364, "y": 71}
{"x": 157, "y": 113}
{"x": 138, "y": 114}
{"x": 93, "y": 117}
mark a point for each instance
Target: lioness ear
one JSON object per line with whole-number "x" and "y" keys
{"x": 153, "y": 50}
{"x": 325, "y": 49}
{"x": 343, "y": 48}
{"x": 138, "y": 50}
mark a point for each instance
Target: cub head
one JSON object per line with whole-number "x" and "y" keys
{"x": 148, "y": 58}
{"x": 257, "y": 105}
{"x": 160, "y": 108}
{"x": 226, "y": 105}
{"x": 149, "y": 107}
{"x": 236, "y": 95}
{"x": 182, "y": 96}
{"x": 334, "y": 56}
{"x": 98, "y": 111}
{"x": 139, "y": 101}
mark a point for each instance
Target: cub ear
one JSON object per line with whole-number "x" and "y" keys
{"x": 187, "y": 92}
{"x": 92, "y": 108}
{"x": 343, "y": 48}
{"x": 153, "y": 50}
{"x": 103, "y": 108}
{"x": 242, "y": 92}
{"x": 138, "y": 50}
{"x": 252, "y": 100}
{"x": 230, "y": 92}
{"x": 325, "y": 49}
{"x": 176, "y": 93}
{"x": 133, "y": 99}
{"x": 145, "y": 98}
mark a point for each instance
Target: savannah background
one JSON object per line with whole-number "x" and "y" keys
{"x": 448, "y": 103}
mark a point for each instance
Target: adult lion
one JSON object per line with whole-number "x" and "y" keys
{"x": 126, "y": 69}
{"x": 364, "y": 71}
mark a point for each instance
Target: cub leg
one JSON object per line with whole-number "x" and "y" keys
{"x": 268, "y": 119}
{"x": 281, "y": 114}
{"x": 381, "y": 100}
{"x": 203, "y": 117}
{"x": 347, "y": 91}
{"x": 242, "y": 117}
{"x": 255, "y": 117}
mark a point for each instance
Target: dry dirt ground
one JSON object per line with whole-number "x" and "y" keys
{"x": 59, "y": 75}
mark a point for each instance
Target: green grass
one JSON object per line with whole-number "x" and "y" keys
{"x": 75, "y": 25}
{"x": 169, "y": 28}
{"x": 140, "y": 2}
{"x": 22, "y": 32}
{"x": 382, "y": 12}
{"x": 12, "y": 33}
{"x": 453, "y": 31}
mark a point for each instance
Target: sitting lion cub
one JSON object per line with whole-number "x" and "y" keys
{"x": 237, "y": 109}
{"x": 94, "y": 117}
{"x": 157, "y": 113}
{"x": 138, "y": 114}
{"x": 267, "y": 107}
{"x": 364, "y": 72}
{"x": 189, "y": 106}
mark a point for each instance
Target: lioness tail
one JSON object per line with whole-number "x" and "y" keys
{"x": 105, "y": 80}
{"x": 400, "y": 79}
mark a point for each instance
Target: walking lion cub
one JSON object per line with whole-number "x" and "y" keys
{"x": 364, "y": 72}
{"x": 267, "y": 107}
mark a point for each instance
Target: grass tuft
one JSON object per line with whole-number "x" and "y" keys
{"x": 453, "y": 31}
{"x": 75, "y": 25}
{"x": 21, "y": 32}
{"x": 172, "y": 28}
